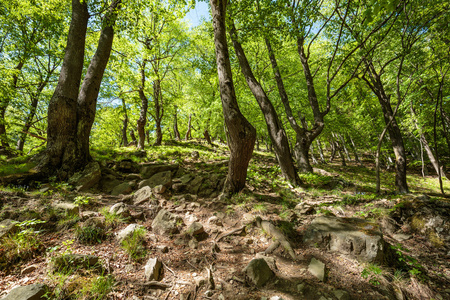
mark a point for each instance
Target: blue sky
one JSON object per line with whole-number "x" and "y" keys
{"x": 201, "y": 10}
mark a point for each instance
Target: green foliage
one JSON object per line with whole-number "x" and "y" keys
{"x": 134, "y": 245}
{"x": 315, "y": 179}
{"x": 89, "y": 234}
{"x": 21, "y": 245}
{"x": 374, "y": 273}
{"x": 408, "y": 262}
{"x": 112, "y": 220}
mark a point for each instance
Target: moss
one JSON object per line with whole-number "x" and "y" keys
{"x": 417, "y": 223}
{"x": 435, "y": 240}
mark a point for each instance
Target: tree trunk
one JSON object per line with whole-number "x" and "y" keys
{"x": 344, "y": 147}
{"x": 355, "y": 152}
{"x": 124, "y": 124}
{"x": 188, "y": 132}
{"x": 207, "y": 136}
{"x": 71, "y": 111}
{"x": 333, "y": 149}
{"x": 133, "y": 138}
{"x": 241, "y": 134}
{"x": 322, "y": 157}
{"x": 143, "y": 113}
{"x": 274, "y": 126}
{"x": 159, "y": 112}
{"x": 395, "y": 135}
{"x": 29, "y": 119}
{"x": 175, "y": 125}
{"x": 314, "y": 160}
{"x": 445, "y": 126}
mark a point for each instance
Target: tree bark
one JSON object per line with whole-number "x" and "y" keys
{"x": 319, "y": 146}
{"x": 274, "y": 126}
{"x": 159, "y": 112}
{"x": 124, "y": 124}
{"x": 71, "y": 111}
{"x": 175, "y": 125}
{"x": 133, "y": 138}
{"x": 188, "y": 132}
{"x": 395, "y": 135}
{"x": 207, "y": 137}
{"x": 241, "y": 134}
{"x": 142, "y": 121}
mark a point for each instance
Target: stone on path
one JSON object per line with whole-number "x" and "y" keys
{"x": 120, "y": 209}
{"x": 258, "y": 272}
{"x": 195, "y": 228}
{"x": 162, "y": 178}
{"x": 128, "y": 231}
{"x": 317, "y": 268}
{"x": 27, "y": 292}
{"x": 166, "y": 223}
{"x": 154, "y": 270}
{"x": 142, "y": 195}
{"x": 87, "y": 178}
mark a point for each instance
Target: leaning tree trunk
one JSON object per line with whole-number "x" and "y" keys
{"x": 241, "y": 134}
{"x": 71, "y": 111}
{"x": 274, "y": 126}
{"x": 319, "y": 146}
{"x": 143, "y": 113}
{"x": 207, "y": 137}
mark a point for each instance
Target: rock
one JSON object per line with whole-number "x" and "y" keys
{"x": 87, "y": 178}
{"x": 215, "y": 221}
{"x": 98, "y": 222}
{"x": 195, "y": 228}
{"x": 74, "y": 262}
{"x": 28, "y": 270}
{"x": 127, "y": 166}
{"x": 193, "y": 244}
{"x": 120, "y": 209}
{"x": 160, "y": 189}
{"x": 248, "y": 218}
{"x": 108, "y": 182}
{"x": 149, "y": 170}
{"x": 400, "y": 237}
{"x": 123, "y": 188}
{"x": 166, "y": 223}
{"x": 162, "y": 249}
{"x": 350, "y": 236}
{"x": 194, "y": 186}
{"x": 128, "y": 231}
{"x": 341, "y": 295}
{"x": 27, "y": 292}
{"x": 162, "y": 178}
{"x": 195, "y": 154}
{"x": 258, "y": 272}
{"x": 317, "y": 268}
{"x": 69, "y": 208}
{"x": 186, "y": 178}
{"x": 142, "y": 195}
{"x": 154, "y": 270}
{"x": 304, "y": 209}
{"x": 131, "y": 177}
{"x": 88, "y": 214}
{"x": 271, "y": 262}
{"x": 7, "y": 226}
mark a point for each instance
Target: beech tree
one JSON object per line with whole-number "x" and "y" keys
{"x": 72, "y": 109}
{"x": 241, "y": 134}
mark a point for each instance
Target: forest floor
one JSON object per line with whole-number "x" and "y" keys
{"x": 422, "y": 271}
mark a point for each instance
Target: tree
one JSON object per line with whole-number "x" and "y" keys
{"x": 241, "y": 134}
{"x": 71, "y": 111}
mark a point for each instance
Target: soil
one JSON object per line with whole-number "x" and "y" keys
{"x": 182, "y": 264}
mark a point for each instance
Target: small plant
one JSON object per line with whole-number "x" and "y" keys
{"x": 21, "y": 245}
{"x": 260, "y": 208}
{"x": 89, "y": 234}
{"x": 373, "y": 273}
{"x": 99, "y": 287}
{"x": 82, "y": 200}
{"x": 134, "y": 244}
{"x": 112, "y": 220}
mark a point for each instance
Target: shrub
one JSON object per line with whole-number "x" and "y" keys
{"x": 134, "y": 244}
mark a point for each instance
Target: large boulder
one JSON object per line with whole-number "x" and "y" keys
{"x": 166, "y": 223}
{"x": 162, "y": 178}
{"x": 108, "y": 182}
{"x": 27, "y": 292}
{"x": 7, "y": 226}
{"x": 127, "y": 166}
{"x": 355, "y": 237}
{"x": 87, "y": 178}
{"x": 120, "y": 209}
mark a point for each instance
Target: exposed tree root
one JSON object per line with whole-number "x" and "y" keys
{"x": 278, "y": 237}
